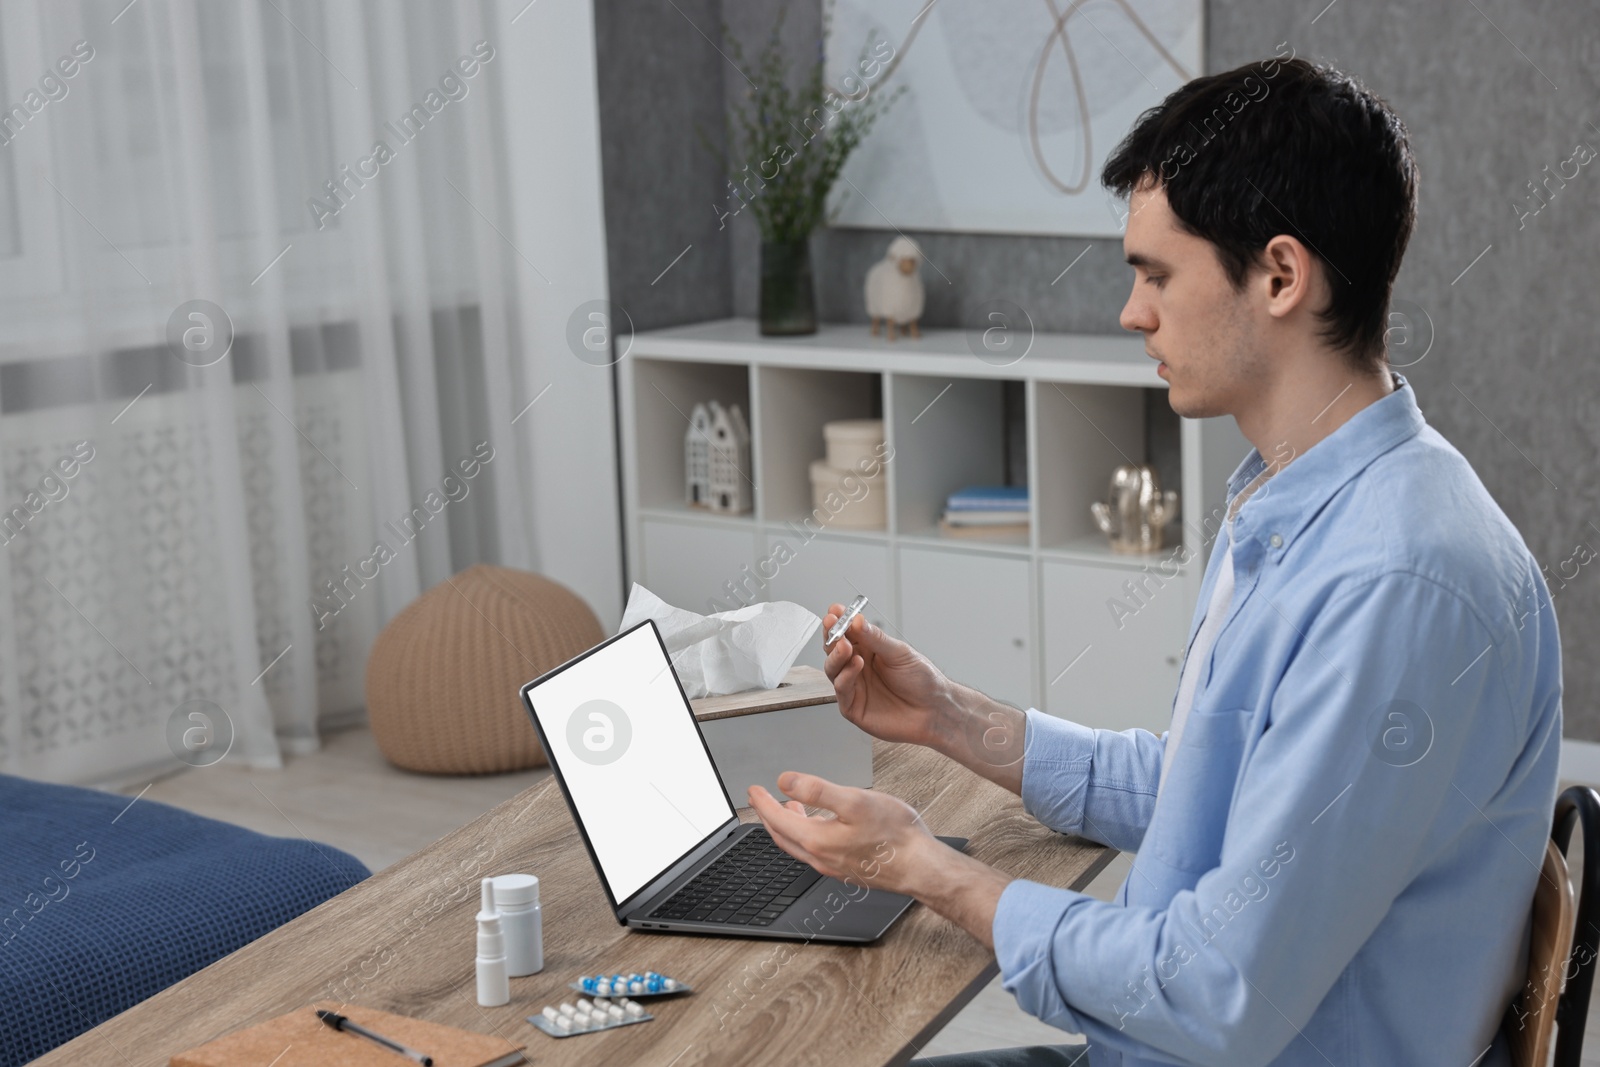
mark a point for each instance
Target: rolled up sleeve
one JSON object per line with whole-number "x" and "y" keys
{"x": 1097, "y": 784}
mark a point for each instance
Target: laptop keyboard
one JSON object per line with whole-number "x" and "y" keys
{"x": 749, "y": 885}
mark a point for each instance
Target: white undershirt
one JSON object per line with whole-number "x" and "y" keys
{"x": 1206, "y": 636}
{"x": 1199, "y": 652}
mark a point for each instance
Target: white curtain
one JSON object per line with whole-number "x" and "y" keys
{"x": 197, "y": 526}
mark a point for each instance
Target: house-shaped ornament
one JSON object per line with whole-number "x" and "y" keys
{"x": 721, "y": 448}
{"x": 697, "y": 457}
{"x": 730, "y": 458}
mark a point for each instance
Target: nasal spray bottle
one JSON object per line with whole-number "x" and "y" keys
{"x": 494, "y": 987}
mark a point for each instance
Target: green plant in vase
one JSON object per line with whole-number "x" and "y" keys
{"x": 785, "y": 148}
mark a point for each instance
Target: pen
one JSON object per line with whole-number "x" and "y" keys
{"x": 340, "y": 1022}
{"x": 844, "y": 620}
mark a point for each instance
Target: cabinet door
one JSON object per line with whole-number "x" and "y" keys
{"x": 969, "y": 613}
{"x": 691, "y": 565}
{"x": 1111, "y": 654}
{"x": 824, "y": 571}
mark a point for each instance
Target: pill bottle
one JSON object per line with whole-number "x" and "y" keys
{"x": 516, "y": 897}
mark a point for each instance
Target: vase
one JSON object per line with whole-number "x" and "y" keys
{"x": 788, "y": 296}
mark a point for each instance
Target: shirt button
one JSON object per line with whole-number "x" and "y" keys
{"x": 1277, "y": 542}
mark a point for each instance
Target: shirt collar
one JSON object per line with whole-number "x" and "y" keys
{"x": 1288, "y": 500}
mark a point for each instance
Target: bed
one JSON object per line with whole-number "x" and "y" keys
{"x": 104, "y": 903}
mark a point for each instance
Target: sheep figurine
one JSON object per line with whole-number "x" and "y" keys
{"x": 894, "y": 289}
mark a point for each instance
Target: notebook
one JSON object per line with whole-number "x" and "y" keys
{"x": 989, "y": 497}
{"x": 300, "y": 1039}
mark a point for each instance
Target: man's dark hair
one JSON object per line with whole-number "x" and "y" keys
{"x": 1291, "y": 147}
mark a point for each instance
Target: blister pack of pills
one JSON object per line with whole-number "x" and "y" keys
{"x": 648, "y": 984}
{"x": 588, "y": 1017}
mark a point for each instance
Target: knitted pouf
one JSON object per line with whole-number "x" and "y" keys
{"x": 443, "y": 677}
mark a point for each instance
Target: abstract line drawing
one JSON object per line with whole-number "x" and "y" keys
{"x": 1012, "y": 106}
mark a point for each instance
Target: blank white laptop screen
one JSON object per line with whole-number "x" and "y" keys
{"x": 632, "y": 759}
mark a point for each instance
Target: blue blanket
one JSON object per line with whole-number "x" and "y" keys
{"x": 103, "y": 904}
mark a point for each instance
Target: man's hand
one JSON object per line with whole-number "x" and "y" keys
{"x": 884, "y": 686}
{"x": 876, "y": 840}
{"x": 895, "y": 693}
{"x": 880, "y": 841}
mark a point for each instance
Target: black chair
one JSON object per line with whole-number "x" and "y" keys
{"x": 1579, "y": 804}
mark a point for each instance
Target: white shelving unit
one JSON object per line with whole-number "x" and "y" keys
{"x": 1033, "y": 623}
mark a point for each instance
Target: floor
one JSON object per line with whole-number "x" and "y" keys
{"x": 348, "y": 796}
{"x": 345, "y": 795}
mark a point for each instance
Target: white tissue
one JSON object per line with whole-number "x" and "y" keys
{"x": 751, "y": 647}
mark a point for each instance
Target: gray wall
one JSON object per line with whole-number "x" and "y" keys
{"x": 658, "y": 80}
{"x": 1510, "y": 377}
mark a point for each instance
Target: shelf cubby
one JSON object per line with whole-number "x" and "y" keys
{"x": 795, "y": 402}
{"x": 947, "y": 432}
{"x": 663, "y": 399}
{"x": 1083, "y": 432}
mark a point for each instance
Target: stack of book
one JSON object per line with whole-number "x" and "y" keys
{"x": 987, "y": 511}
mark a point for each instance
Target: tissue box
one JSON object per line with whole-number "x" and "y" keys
{"x": 756, "y": 735}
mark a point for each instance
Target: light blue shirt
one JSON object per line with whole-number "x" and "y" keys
{"x": 1341, "y": 865}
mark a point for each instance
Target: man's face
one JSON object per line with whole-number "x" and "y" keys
{"x": 1203, "y": 332}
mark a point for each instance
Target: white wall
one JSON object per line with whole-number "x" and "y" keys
{"x": 558, "y": 229}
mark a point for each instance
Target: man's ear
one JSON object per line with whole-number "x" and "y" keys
{"x": 1288, "y": 274}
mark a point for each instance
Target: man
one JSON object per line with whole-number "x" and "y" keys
{"x": 1339, "y": 836}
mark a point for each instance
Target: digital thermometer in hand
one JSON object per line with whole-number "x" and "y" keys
{"x": 844, "y": 620}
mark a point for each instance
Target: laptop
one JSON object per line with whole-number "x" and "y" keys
{"x": 657, "y": 821}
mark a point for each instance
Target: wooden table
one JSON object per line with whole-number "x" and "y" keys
{"x": 403, "y": 941}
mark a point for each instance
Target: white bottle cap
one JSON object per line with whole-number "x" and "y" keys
{"x": 515, "y": 889}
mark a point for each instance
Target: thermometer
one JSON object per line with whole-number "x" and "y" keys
{"x": 844, "y": 620}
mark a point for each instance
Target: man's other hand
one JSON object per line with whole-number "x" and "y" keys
{"x": 873, "y": 839}
{"x": 880, "y": 842}
{"x": 883, "y": 685}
